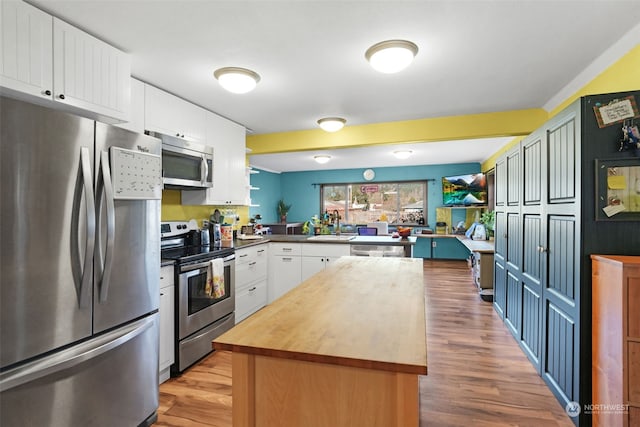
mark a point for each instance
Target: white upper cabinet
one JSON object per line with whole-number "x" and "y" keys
{"x": 136, "y": 121}
{"x": 89, "y": 74}
{"x": 27, "y": 49}
{"x": 230, "y": 185}
{"x": 45, "y": 59}
{"x": 170, "y": 115}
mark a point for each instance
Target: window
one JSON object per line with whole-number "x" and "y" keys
{"x": 361, "y": 203}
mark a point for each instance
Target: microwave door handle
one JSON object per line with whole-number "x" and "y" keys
{"x": 111, "y": 225}
{"x": 205, "y": 170}
{"x": 84, "y": 294}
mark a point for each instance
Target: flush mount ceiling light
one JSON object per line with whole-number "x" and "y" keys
{"x": 391, "y": 56}
{"x": 322, "y": 159}
{"x": 332, "y": 124}
{"x": 237, "y": 80}
{"x": 402, "y": 154}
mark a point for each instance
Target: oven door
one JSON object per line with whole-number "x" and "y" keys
{"x": 196, "y": 307}
{"x": 182, "y": 167}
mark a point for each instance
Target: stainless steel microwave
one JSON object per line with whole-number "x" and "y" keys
{"x": 186, "y": 165}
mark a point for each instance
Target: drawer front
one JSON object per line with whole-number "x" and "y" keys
{"x": 166, "y": 276}
{"x": 251, "y": 254}
{"x": 250, "y": 300}
{"x": 326, "y": 249}
{"x": 285, "y": 249}
{"x": 254, "y": 269}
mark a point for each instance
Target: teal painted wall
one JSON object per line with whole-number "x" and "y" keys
{"x": 267, "y": 196}
{"x": 297, "y": 188}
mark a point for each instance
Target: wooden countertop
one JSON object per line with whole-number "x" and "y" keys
{"x": 617, "y": 259}
{"x": 481, "y": 246}
{"x": 360, "y": 312}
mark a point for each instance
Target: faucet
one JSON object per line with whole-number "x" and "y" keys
{"x": 337, "y": 218}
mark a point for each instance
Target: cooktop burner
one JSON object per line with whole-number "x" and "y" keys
{"x": 196, "y": 253}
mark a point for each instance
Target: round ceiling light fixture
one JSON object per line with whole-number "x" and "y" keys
{"x": 391, "y": 56}
{"x": 332, "y": 124}
{"x": 402, "y": 154}
{"x": 236, "y": 79}
{"x": 322, "y": 158}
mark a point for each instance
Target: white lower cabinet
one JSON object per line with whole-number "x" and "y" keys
{"x": 251, "y": 280}
{"x": 316, "y": 256}
{"x": 167, "y": 308}
{"x": 285, "y": 269}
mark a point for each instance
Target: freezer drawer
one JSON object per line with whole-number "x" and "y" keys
{"x": 111, "y": 380}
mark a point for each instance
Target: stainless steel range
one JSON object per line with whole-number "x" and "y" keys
{"x": 201, "y": 314}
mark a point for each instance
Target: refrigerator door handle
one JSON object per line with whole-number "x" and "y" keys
{"x": 105, "y": 178}
{"x": 70, "y": 358}
{"x": 87, "y": 272}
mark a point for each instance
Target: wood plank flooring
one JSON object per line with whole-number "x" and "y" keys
{"x": 478, "y": 376}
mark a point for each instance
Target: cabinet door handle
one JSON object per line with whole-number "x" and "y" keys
{"x": 252, "y": 263}
{"x": 242, "y": 256}
{"x": 61, "y": 96}
{"x": 287, "y": 259}
{"x": 260, "y": 251}
{"x": 47, "y": 92}
{"x": 161, "y": 294}
{"x": 252, "y": 289}
{"x": 287, "y": 249}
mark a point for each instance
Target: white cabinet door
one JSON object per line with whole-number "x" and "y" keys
{"x": 170, "y": 115}
{"x": 166, "y": 312}
{"x": 284, "y": 275}
{"x": 27, "y": 56}
{"x": 136, "y": 121}
{"x": 312, "y": 265}
{"x": 230, "y": 185}
{"x": 167, "y": 300}
{"x": 317, "y": 256}
{"x": 88, "y": 74}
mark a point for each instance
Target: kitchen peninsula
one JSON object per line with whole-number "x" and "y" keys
{"x": 344, "y": 348}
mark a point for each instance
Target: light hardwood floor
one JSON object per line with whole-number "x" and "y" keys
{"x": 478, "y": 376}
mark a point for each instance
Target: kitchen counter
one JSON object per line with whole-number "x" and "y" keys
{"x": 302, "y": 238}
{"x": 344, "y": 348}
{"x": 481, "y": 246}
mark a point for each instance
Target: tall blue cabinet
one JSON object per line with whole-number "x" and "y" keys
{"x": 546, "y": 229}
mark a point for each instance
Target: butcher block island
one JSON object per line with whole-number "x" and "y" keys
{"x": 345, "y": 348}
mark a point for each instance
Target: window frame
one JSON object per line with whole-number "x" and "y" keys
{"x": 424, "y": 183}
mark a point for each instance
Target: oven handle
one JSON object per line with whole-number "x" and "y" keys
{"x": 191, "y": 267}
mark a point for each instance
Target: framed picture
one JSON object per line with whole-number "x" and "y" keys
{"x": 618, "y": 190}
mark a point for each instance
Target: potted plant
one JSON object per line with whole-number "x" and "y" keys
{"x": 283, "y": 209}
{"x": 488, "y": 218}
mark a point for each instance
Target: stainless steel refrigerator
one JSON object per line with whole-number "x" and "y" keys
{"x": 79, "y": 270}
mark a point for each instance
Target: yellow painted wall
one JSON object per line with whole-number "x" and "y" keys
{"x": 623, "y": 75}
{"x": 172, "y": 210}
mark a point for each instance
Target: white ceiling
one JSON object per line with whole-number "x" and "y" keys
{"x": 475, "y": 56}
{"x": 467, "y": 151}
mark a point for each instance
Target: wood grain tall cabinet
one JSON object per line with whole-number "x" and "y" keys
{"x": 545, "y": 232}
{"x": 616, "y": 340}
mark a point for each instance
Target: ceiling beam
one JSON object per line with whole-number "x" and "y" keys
{"x": 486, "y": 125}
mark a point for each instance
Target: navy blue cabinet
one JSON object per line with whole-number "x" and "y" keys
{"x": 545, "y": 232}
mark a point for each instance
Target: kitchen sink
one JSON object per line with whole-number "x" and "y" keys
{"x": 331, "y": 237}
